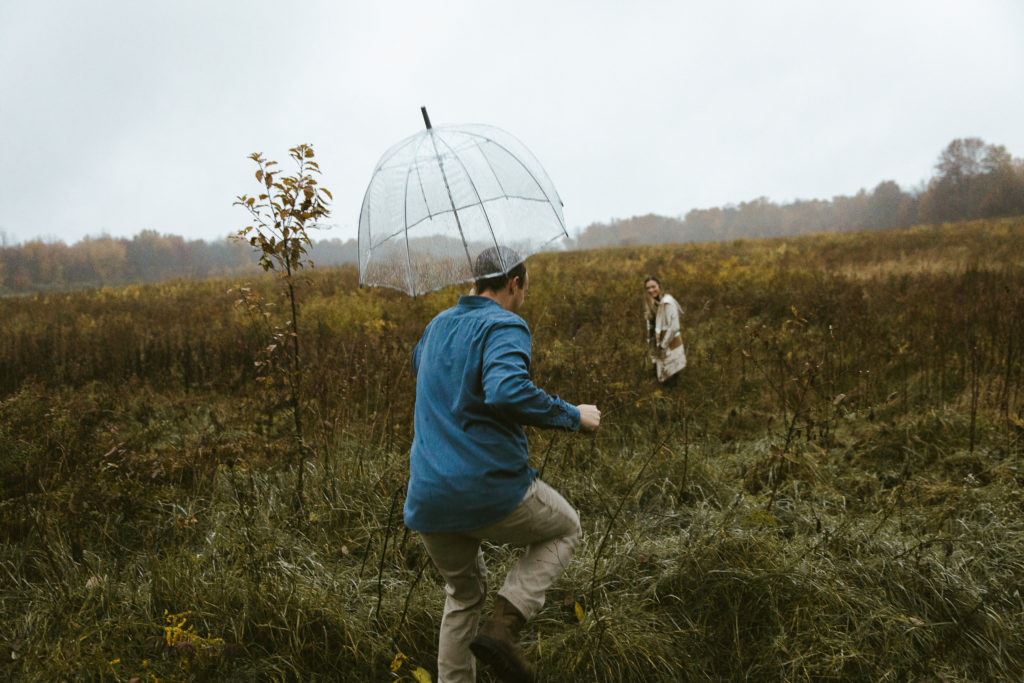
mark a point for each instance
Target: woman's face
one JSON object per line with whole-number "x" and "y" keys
{"x": 653, "y": 288}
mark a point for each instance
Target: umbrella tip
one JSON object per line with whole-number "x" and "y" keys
{"x": 426, "y": 119}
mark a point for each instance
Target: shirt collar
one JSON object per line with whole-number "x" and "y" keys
{"x": 474, "y": 301}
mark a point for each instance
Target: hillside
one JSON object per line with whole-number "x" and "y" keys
{"x": 833, "y": 490}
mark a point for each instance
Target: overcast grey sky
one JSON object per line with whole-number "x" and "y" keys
{"x": 119, "y": 116}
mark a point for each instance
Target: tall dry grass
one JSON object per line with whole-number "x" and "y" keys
{"x": 832, "y": 492}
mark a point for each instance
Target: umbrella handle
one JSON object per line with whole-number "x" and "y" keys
{"x": 426, "y": 119}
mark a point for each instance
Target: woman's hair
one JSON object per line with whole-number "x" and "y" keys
{"x": 650, "y": 308}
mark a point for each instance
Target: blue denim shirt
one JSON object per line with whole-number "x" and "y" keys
{"x": 469, "y": 463}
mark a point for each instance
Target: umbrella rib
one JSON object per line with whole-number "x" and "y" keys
{"x": 526, "y": 168}
{"x": 479, "y": 201}
{"x": 490, "y": 166}
{"x": 411, "y": 275}
{"x": 423, "y": 191}
{"x": 405, "y": 221}
{"x": 369, "y": 251}
{"x": 458, "y": 221}
{"x": 487, "y": 160}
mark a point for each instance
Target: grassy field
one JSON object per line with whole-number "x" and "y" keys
{"x": 832, "y": 492}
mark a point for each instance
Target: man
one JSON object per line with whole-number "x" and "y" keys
{"x": 469, "y": 475}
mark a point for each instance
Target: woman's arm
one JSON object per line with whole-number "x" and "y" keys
{"x": 670, "y": 324}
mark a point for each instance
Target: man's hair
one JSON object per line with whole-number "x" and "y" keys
{"x": 501, "y": 260}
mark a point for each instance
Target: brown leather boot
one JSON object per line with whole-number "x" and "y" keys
{"x": 497, "y": 644}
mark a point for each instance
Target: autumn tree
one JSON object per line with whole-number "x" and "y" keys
{"x": 282, "y": 212}
{"x": 973, "y": 180}
{"x": 1004, "y": 187}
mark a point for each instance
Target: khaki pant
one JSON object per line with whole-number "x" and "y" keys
{"x": 543, "y": 522}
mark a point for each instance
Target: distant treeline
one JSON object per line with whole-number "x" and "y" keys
{"x": 148, "y": 257}
{"x": 972, "y": 180}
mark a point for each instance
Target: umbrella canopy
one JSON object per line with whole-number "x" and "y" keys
{"x": 440, "y": 197}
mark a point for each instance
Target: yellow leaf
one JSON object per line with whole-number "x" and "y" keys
{"x": 413, "y": 672}
{"x": 579, "y": 611}
{"x": 420, "y": 675}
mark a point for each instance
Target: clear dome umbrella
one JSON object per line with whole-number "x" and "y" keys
{"x": 440, "y": 197}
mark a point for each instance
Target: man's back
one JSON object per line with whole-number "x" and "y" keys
{"x": 469, "y": 460}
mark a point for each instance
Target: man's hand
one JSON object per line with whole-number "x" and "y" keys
{"x": 590, "y": 417}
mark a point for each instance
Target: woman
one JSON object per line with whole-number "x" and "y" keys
{"x": 663, "y": 337}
